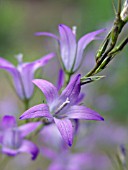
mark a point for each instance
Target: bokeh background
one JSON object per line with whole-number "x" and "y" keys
{"x": 20, "y": 19}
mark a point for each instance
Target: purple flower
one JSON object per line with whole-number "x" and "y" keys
{"x": 80, "y": 161}
{"x": 63, "y": 108}
{"x": 24, "y": 73}
{"x": 71, "y": 51}
{"x": 12, "y": 137}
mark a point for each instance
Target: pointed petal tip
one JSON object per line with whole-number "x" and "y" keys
{"x": 70, "y": 144}
{"x": 21, "y": 117}
{"x": 101, "y": 118}
{"x": 61, "y": 25}
{"x": 38, "y": 33}
{"x": 35, "y": 81}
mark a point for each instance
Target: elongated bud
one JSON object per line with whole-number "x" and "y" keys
{"x": 124, "y": 13}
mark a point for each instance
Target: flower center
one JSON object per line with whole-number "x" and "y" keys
{"x": 62, "y": 106}
{"x": 12, "y": 138}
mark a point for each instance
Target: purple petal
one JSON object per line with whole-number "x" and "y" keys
{"x": 27, "y": 71}
{"x": 16, "y": 76}
{"x": 48, "y": 153}
{"x": 9, "y": 151}
{"x": 5, "y": 63}
{"x": 47, "y": 34}
{"x": 49, "y": 90}
{"x": 72, "y": 90}
{"x": 82, "y": 112}
{"x": 40, "y": 110}
{"x": 60, "y": 82}
{"x": 8, "y": 122}
{"x": 26, "y": 147}
{"x": 1, "y": 137}
{"x": 80, "y": 98}
{"x": 30, "y": 148}
{"x": 28, "y": 128}
{"x": 82, "y": 43}
{"x": 66, "y": 130}
{"x": 67, "y": 46}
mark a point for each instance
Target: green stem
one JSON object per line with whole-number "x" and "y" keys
{"x": 26, "y": 107}
{"x": 67, "y": 77}
{"x": 26, "y": 104}
{"x": 103, "y": 54}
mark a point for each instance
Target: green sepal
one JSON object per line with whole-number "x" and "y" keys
{"x": 85, "y": 80}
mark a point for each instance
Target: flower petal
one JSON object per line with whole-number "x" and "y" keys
{"x": 82, "y": 112}
{"x": 40, "y": 110}
{"x": 47, "y": 34}
{"x": 67, "y": 46}
{"x": 9, "y": 151}
{"x": 8, "y": 122}
{"x": 27, "y": 71}
{"x": 80, "y": 98}
{"x": 29, "y": 147}
{"x": 66, "y": 130}
{"x": 60, "y": 82}
{"x": 28, "y": 128}
{"x": 5, "y": 65}
{"x": 82, "y": 43}
{"x": 49, "y": 90}
{"x": 72, "y": 90}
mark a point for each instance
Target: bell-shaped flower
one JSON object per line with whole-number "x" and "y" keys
{"x": 12, "y": 137}
{"x": 23, "y": 74}
{"x": 62, "y": 109}
{"x": 71, "y": 51}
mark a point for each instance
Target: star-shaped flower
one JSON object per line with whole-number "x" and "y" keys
{"x": 12, "y": 137}
{"x": 61, "y": 109}
{"x": 71, "y": 51}
{"x": 23, "y": 74}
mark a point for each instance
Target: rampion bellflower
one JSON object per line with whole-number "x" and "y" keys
{"x": 23, "y": 74}
{"x": 12, "y": 137}
{"x": 71, "y": 51}
{"x": 63, "y": 108}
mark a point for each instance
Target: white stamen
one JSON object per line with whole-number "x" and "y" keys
{"x": 19, "y": 58}
{"x": 62, "y": 106}
{"x": 74, "y": 28}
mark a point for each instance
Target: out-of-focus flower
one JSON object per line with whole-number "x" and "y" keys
{"x": 63, "y": 108}
{"x": 12, "y": 137}
{"x": 24, "y": 73}
{"x": 50, "y": 149}
{"x": 79, "y": 161}
{"x": 61, "y": 157}
{"x": 109, "y": 136}
{"x": 71, "y": 51}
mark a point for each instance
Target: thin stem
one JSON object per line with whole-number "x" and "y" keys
{"x": 4, "y": 162}
{"x": 67, "y": 77}
{"x": 103, "y": 53}
{"x": 26, "y": 107}
{"x": 26, "y": 104}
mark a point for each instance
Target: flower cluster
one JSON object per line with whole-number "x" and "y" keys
{"x": 64, "y": 110}
{"x": 52, "y": 126}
